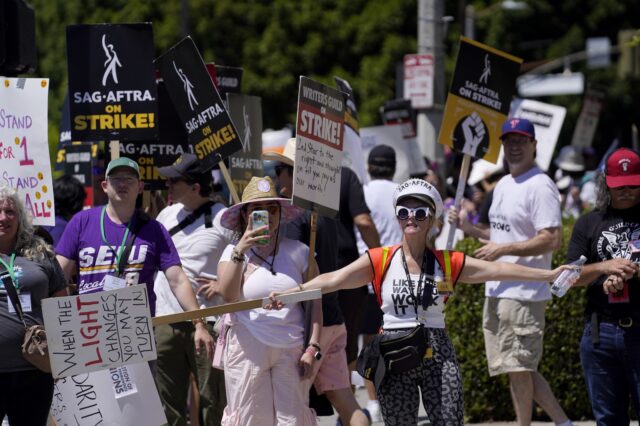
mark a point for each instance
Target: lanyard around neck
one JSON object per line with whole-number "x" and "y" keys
{"x": 420, "y": 286}
{"x": 9, "y": 268}
{"x": 104, "y": 239}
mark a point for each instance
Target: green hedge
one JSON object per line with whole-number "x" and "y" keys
{"x": 488, "y": 398}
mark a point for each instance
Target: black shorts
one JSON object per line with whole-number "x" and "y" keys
{"x": 352, "y": 303}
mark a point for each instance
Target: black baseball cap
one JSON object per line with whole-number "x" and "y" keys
{"x": 187, "y": 166}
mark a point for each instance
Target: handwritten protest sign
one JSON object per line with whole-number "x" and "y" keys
{"x": 112, "y": 88}
{"x": 120, "y": 396}
{"x": 24, "y": 149}
{"x": 479, "y": 98}
{"x": 319, "y": 145}
{"x": 246, "y": 113}
{"x": 198, "y": 103}
{"x": 95, "y": 331}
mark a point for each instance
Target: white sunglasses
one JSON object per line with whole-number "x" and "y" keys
{"x": 420, "y": 213}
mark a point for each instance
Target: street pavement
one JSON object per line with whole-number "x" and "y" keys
{"x": 361, "y": 396}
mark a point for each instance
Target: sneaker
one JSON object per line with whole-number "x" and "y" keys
{"x": 366, "y": 413}
{"x": 373, "y": 412}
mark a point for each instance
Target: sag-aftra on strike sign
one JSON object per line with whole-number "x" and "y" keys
{"x": 112, "y": 88}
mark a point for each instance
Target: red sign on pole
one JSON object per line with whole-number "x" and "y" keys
{"x": 418, "y": 80}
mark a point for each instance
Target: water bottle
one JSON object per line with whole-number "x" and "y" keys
{"x": 562, "y": 284}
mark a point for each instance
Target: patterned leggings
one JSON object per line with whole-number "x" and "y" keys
{"x": 439, "y": 381}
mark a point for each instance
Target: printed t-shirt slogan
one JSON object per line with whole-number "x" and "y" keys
{"x": 198, "y": 103}
{"x": 112, "y": 87}
{"x": 479, "y": 99}
{"x": 319, "y": 143}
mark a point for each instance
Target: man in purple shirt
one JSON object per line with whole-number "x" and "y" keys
{"x": 95, "y": 240}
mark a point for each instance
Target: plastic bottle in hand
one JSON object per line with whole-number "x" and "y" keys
{"x": 562, "y": 284}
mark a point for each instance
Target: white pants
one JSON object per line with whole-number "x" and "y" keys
{"x": 263, "y": 383}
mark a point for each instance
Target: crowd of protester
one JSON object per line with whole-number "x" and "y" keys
{"x": 285, "y": 364}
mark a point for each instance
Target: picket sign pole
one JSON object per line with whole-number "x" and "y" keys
{"x": 462, "y": 182}
{"x": 227, "y": 178}
{"x": 312, "y": 244}
{"x": 114, "y": 148}
{"x": 300, "y": 296}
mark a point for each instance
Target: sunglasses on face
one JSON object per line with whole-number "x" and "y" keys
{"x": 272, "y": 209}
{"x": 127, "y": 180}
{"x": 279, "y": 168}
{"x": 420, "y": 213}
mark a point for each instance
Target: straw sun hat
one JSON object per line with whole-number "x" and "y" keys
{"x": 259, "y": 189}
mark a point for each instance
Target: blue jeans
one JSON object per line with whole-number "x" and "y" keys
{"x": 612, "y": 371}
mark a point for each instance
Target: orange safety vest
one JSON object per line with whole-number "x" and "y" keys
{"x": 451, "y": 263}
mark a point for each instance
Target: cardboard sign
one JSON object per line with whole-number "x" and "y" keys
{"x": 479, "y": 98}
{"x": 547, "y": 120}
{"x": 122, "y": 396}
{"x": 319, "y": 143}
{"x": 352, "y": 151}
{"x": 24, "y": 148}
{"x": 587, "y": 124}
{"x": 246, "y": 113}
{"x": 199, "y": 106}
{"x": 172, "y": 142}
{"x": 418, "y": 80}
{"x": 409, "y": 160}
{"x": 112, "y": 86}
{"x": 95, "y": 331}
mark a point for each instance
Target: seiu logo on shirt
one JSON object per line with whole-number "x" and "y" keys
{"x": 105, "y": 256}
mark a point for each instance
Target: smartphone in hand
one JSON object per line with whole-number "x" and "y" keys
{"x": 260, "y": 218}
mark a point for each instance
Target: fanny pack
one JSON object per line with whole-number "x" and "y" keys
{"x": 393, "y": 353}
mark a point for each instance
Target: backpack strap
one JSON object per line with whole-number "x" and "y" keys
{"x": 380, "y": 258}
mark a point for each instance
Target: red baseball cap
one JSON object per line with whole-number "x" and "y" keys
{"x": 623, "y": 168}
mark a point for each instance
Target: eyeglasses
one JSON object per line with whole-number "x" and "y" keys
{"x": 127, "y": 180}
{"x": 420, "y": 213}
{"x": 279, "y": 168}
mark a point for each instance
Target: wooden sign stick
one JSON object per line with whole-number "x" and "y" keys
{"x": 227, "y": 178}
{"x": 234, "y": 307}
{"x": 311, "y": 272}
{"x": 462, "y": 182}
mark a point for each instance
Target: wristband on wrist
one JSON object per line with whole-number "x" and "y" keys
{"x": 195, "y": 321}
{"x": 236, "y": 256}
{"x": 313, "y": 352}
{"x": 315, "y": 345}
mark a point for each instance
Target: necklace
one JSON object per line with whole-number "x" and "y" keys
{"x": 419, "y": 289}
{"x": 273, "y": 259}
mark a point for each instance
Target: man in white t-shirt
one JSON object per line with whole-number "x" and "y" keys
{"x": 194, "y": 225}
{"x": 525, "y": 227}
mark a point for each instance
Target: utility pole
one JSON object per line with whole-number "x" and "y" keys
{"x": 430, "y": 41}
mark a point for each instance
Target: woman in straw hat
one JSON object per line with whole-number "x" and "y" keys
{"x": 412, "y": 283}
{"x": 266, "y": 355}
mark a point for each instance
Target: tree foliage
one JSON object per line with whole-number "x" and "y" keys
{"x": 362, "y": 41}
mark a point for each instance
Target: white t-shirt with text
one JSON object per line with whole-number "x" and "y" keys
{"x": 522, "y": 207}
